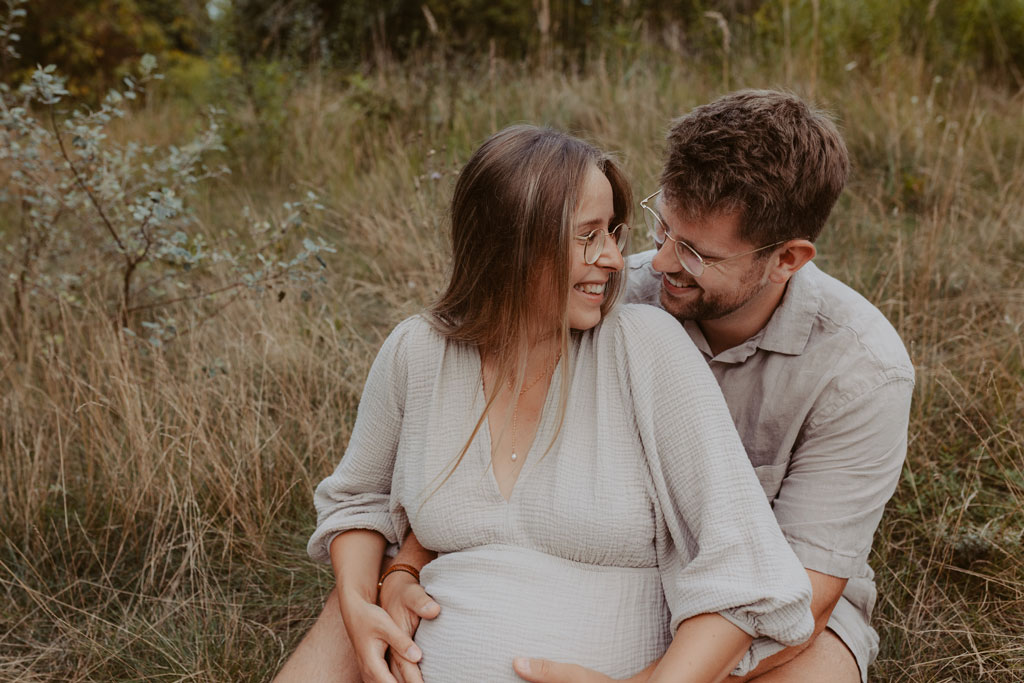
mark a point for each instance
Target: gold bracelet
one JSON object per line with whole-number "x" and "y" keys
{"x": 407, "y": 568}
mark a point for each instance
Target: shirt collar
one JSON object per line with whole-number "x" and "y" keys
{"x": 787, "y": 330}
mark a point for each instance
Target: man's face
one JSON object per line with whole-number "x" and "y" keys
{"x": 722, "y": 290}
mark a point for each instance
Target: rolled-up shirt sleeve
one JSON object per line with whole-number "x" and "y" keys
{"x": 721, "y": 549}
{"x": 844, "y": 469}
{"x": 357, "y": 494}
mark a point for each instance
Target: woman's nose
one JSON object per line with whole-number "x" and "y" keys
{"x": 610, "y": 256}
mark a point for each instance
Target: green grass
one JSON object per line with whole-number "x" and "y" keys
{"x": 156, "y": 504}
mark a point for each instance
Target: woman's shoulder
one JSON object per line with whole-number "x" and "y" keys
{"x": 642, "y": 316}
{"x": 647, "y": 325}
{"x": 415, "y": 327}
{"x": 414, "y": 336}
{"x": 641, "y": 335}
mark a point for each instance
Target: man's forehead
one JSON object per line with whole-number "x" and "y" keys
{"x": 719, "y": 224}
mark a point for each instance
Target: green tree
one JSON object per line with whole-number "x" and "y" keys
{"x": 94, "y": 41}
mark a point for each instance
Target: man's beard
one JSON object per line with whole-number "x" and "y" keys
{"x": 707, "y": 306}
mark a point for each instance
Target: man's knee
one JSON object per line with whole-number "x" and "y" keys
{"x": 827, "y": 659}
{"x": 325, "y": 654}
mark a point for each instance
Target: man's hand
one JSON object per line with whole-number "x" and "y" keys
{"x": 546, "y": 671}
{"x": 406, "y": 602}
{"x": 372, "y": 632}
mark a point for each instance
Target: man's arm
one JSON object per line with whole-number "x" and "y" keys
{"x": 826, "y": 591}
{"x": 406, "y": 602}
{"x": 706, "y": 648}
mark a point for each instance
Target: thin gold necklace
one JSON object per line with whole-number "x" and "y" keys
{"x": 547, "y": 370}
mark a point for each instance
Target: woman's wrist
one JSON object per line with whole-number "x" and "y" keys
{"x": 355, "y": 558}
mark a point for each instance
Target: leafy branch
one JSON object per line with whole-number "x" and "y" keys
{"x": 89, "y": 216}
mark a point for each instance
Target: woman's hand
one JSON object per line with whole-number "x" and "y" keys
{"x": 405, "y": 601}
{"x": 356, "y": 557}
{"x": 372, "y": 632}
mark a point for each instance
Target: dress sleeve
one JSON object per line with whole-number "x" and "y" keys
{"x": 357, "y": 494}
{"x": 719, "y": 546}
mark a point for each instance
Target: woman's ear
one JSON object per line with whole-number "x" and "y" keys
{"x": 793, "y": 255}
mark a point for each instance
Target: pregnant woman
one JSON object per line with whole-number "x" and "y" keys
{"x": 573, "y": 463}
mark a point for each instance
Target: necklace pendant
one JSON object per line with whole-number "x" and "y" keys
{"x": 514, "y": 457}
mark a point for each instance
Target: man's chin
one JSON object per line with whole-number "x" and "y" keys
{"x": 680, "y": 310}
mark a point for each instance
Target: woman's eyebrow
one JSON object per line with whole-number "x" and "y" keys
{"x": 593, "y": 221}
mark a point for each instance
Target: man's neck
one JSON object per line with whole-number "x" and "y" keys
{"x": 732, "y": 330}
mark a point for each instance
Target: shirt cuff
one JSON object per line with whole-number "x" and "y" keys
{"x": 832, "y": 562}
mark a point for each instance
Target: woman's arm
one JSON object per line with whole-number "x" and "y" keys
{"x": 354, "y": 519}
{"x": 720, "y": 550}
{"x": 356, "y": 556}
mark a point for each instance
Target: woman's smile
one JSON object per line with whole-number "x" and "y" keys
{"x": 591, "y": 288}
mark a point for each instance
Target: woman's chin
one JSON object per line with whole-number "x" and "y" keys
{"x": 583, "y": 320}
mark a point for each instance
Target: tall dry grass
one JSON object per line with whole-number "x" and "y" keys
{"x": 156, "y": 502}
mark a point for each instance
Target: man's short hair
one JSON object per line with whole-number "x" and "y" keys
{"x": 764, "y": 153}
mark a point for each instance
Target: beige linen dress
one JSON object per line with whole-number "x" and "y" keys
{"x": 644, "y": 512}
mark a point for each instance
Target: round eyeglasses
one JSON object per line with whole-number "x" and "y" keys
{"x": 593, "y": 241}
{"x": 691, "y": 261}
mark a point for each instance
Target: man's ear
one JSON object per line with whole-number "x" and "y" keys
{"x": 793, "y": 255}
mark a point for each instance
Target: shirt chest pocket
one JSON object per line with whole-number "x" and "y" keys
{"x": 771, "y": 477}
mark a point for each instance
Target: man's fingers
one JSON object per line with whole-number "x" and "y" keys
{"x": 546, "y": 671}
{"x": 428, "y": 609}
{"x": 416, "y": 600}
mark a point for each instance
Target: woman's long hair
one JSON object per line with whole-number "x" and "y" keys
{"x": 512, "y": 219}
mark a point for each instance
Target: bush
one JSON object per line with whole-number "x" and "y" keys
{"x": 105, "y": 227}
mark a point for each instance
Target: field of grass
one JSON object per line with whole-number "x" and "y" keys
{"x": 156, "y": 502}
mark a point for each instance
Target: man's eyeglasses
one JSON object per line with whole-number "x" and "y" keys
{"x": 692, "y": 262}
{"x": 593, "y": 241}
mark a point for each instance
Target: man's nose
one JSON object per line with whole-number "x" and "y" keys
{"x": 665, "y": 260}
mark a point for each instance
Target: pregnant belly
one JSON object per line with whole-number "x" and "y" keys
{"x": 501, "y": 602}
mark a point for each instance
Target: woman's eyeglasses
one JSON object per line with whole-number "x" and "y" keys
{"x": 593, "y": 241}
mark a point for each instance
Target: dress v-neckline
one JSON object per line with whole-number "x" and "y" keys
{"x": 543, "y": 426}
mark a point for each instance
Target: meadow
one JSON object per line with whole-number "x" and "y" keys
{"x": 157, "y": 500}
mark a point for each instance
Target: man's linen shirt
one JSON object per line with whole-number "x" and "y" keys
{"x": 821, "y": 399}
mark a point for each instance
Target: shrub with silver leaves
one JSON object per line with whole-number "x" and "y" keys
{"x": 89, "y": 223}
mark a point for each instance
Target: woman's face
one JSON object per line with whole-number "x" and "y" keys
{"x": 587, "y": 282}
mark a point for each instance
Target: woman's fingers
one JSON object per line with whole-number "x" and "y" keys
{"x": 399, "y": 641}
{"x": 372, "y": 631}
{"x": 372, "y": 665}
{"x": 395, "y": 670}
{"x": 408, "y": 672}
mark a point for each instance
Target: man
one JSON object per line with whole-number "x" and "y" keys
{"x": 817, "y": 381}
